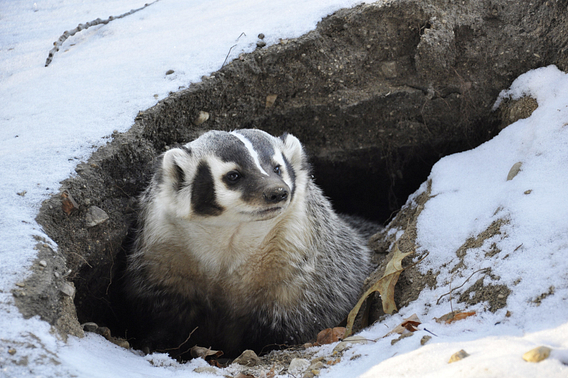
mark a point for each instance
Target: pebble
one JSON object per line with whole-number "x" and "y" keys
{"x": 67, "y": 289}
{"x": 95, "y": 216}
{"x": 515, "y": 169}
{"x": 458, "y": 356}
{"x": 169, "y": 72}
{"x": 206, "y": 369}
{"x": 537, "y": 354}
{"x": 201, "y": 118}
{"x": 260, "y": 44}
{"x": 90, "y": 327}
{"x": 425, "y": 339}
{"x": 298, "y": 365}
{"x": 247, "y": 358}
{"x": 43, "y": 263}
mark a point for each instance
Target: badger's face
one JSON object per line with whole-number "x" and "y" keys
{"x": 244, "y": 175}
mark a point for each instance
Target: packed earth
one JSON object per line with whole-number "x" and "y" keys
{"x": 446, "y": 123}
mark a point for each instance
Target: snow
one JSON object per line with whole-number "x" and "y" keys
{"x": 52, "y": 118}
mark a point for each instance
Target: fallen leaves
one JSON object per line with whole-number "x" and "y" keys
{"x": 385, "y": 286}
{"x": 205, "y": 353}
{"x": 454, "y": 316}
{"x": 331, "y": 335}
{"x": 409, "y": 324}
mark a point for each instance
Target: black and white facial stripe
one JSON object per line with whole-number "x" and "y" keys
{"x": 246, "y": 171}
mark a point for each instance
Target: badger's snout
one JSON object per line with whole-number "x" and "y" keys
{"x": 275, "y": 194}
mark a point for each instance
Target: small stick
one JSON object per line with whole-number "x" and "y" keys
{"x": 232, "y": 47}
{"x": 57, "y": 44}
{"x": 451, "y": 290}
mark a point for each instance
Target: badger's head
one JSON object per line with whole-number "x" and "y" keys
{"x": 244, "y": 175}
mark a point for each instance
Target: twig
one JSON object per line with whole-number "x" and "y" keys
{"x": 232, "y": 47}
{"x": 455, "y": 288}
{"x": 57, "y": 44}
{"x": 180, "y": 345}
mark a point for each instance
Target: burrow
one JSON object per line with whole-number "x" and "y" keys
{"x": 377, "y": 94}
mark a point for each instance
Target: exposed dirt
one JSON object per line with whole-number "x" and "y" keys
{"x": 377, "y": 94}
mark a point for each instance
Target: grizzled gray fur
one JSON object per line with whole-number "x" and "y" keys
{"x": 239, "y": 246}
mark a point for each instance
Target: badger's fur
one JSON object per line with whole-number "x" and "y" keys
{"x": 237, "y": 242}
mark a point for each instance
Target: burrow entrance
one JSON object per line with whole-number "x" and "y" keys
{"x": 373, "y": 99}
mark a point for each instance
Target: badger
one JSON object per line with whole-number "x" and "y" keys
{"x": 237, "y": 248}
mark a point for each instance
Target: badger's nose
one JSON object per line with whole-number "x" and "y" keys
{"x": 275, "y": 194}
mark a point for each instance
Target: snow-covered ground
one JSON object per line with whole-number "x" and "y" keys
{"x": 52, "y": 118}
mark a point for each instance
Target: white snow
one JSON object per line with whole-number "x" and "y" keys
{"x": 52, "y": 118}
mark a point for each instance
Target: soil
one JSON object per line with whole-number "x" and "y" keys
{"x": 377, "y": 94}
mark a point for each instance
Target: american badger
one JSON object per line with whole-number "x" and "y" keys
{"x": 239, "y": 246}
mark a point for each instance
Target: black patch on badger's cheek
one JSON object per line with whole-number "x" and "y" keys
{"x": 203, "y": 199}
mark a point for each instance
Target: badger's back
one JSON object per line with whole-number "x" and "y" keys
{"x": 238, "y": 248}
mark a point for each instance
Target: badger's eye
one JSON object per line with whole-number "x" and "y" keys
{"x": 233, "y": 176}
{"x": 277, "y": 170}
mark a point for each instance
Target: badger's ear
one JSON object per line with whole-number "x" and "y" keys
{"x": 293, "y": 150}
{"x": 175, "y": 164}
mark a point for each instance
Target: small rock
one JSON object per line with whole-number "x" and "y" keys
{"x": 260, "y": 44}
{"x": 537, "y": 354}
{"x": 43, "y": 263}
{"x": 90, "y": 327}
{"x": 261, "y": 36}
{"x": 458, "y": 356}
{"x": 104, "y": 332}
{"x": 68, "y": 204}
{"x": 120, "y": 342}
{"x": 201, "y": 118}
{"x": 206, "y": 369}
{"x": 95, "y": 216}
{"x": 12, "y": 351}
{"x": 389, "y": 69}
{"x": 20, "y": 284}
{"x": 270, "y": 100}
{"x": 425, "y": 339}
{"x": 515, "y": 169}
{"x": 247, "y": 358}
{"x": 298, "y": 365}
{"x": 318, "y": 365}
{"x": 68, "y": 289}
{"x": 169, "y": 72}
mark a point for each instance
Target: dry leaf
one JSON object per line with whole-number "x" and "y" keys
{"x": 454, "y": 316}
{"x": 270, "y": 100}
{"x": 408, "y": 325}
{"x": 385, "y": 287}
{"x": 331, "y": 335}
{"x": 204, "y": 353}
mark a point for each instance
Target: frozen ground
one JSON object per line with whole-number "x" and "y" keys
{"x": 52, "y": 118}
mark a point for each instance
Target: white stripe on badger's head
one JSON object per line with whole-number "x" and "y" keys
{"x": 242, "y": 175}
{"x": 251, "y": 151}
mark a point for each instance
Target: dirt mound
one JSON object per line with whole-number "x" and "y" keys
{"x": 377, "y": 94}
